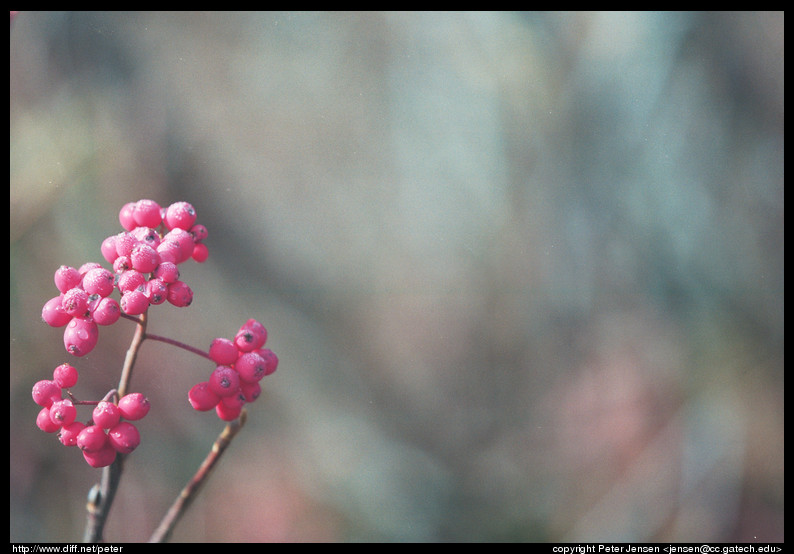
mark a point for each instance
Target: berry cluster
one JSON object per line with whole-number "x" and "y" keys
{"x": 241, "y": 363}
{"x": 108, "y": 433}
{"x": 145, "y": 259}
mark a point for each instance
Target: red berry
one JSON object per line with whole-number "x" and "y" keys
{"x": 134, "y": 302}
{"x": 270, "y": 359}
{"x": 202, "y": 397}
{"x": 102, "y": 457}
{"x": 75, "y": 302}
{"x": 179, "y": 294}
{"x": 67, "y": 278}
{"x": 63, "y": 412}
{"x": 92, "y": 438}
{"x": 53, "y": 314}
{"x": 80, "y": 336}
{"x": 146, "y": 213}
{"x": 146, "y": 235}
{"x": 144, "y": 258}
{"x": 65, "y": 376}
{"x": 251, "y": 367}
{"x": 106, "y": 312}
{"x": 184, "y": 241}
{"x": 180, "y": 215}
{"x": 106, "y": 414}
{"x": 169, "y": 251}
{"x": 199, "y": 233}
{"x": 156, "y": 291}
{"x": 252, "y": 335}
{"x": 134, "y": 406}
{"x": 44, "y": 422}
{"x": 250, "y": 391}
{"x": 68, "y": 434}
{"x": 46, "y": 392}
{"x": 124, "y": 437}
{"x": 228, "y": 413}
{"x": 200, "y": 253}
{"x": 223, "y": 351}
{"x": 224, "y": 381}
{"x": 167, "y": 271}
{"x": 125, "y": 242}
{"x": 126, "y": 217}
{"x": 234, "y": 402}
{"x": 122, "y": 264}
{"x": 131, "y": 280}
{"x": 99, "y": 281}
{"x": 108, "y": 249}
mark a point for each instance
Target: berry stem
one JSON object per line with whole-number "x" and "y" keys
{"x": 101, "y": 496}
{"x": 178, "y": 344}
{"x": 188, "y": 494}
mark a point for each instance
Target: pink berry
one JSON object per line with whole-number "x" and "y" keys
{"x": 92, "y": 438}
{"x": 65, "y": 376}
{"x": 80, "y": 336}
{"x": 106, "y": 414}
{"x": 179, "y": 294}
{"x": 108, "y": 249}
{"x": 66, "y": 278}
{"x": 46, "y": 392}
{"x": 180, "y": 215}
{"x": 146, "y": 213}
{"x": 125, "y": 242}
{"x": 53, "y": 313}
{"x": 223, "y": 351}
{"x": 199, "y": 233}
{"x": 131, "y": 280}
{"x": 63, "y": 412}
{"x": 250, "y": 391}
{"x": 134, "y": 302}
{"x": 86, "y": 267}
{"x": 169, "y": 251}
{"x": 99, "y": 281}
{"x": 156, "y": 291}
{"x": 106, "y": 312}
{"x": 224, "y": 381}
{"x": 228, "y": 413}
{"x": 134, "y": 406}
{"x": 122, "y": 264}
{"x": 102, "y": 457}
{"x": 126, "y": 217}
{"x": 75, "y": 302}
{"x": 235, "y": 401}
{"x": 252, "y": 335}
{"x": 251, "y": 367}
{"x": 124, "y": 437}
{"x": 144, "y": 258}
{"x": 200, "y": 253}
{"x": 167, "y": 271}
{"x": 68, "y": 434}
{"x": 271, "y": 360}
{"x": 44, "y": 422}
{"x": 146, "y": 235}
{"x": 184, "y": 240}
{"x": 202, "y": 397}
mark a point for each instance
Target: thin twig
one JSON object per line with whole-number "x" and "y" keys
{"x": 101, "y": 496}
{"x": 188, "y": 494}
{"x": 178, "y": 344}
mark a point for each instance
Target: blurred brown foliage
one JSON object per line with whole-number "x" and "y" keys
{"x": 524, "y": 271}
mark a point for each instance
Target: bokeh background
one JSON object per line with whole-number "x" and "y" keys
{"x": 523, "y": 271}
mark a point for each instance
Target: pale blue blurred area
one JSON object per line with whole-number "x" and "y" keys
{"x": 523, "y": 271}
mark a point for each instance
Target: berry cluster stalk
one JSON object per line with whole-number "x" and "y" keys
{"x": 101, "y": 497}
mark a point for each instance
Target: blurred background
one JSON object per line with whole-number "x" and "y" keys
{"x": 523, "y": 271}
